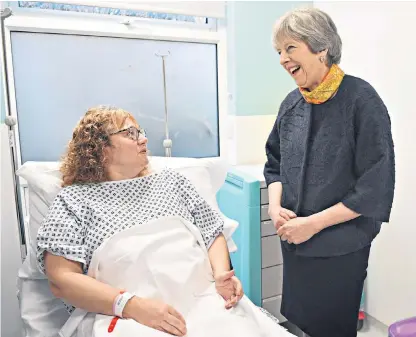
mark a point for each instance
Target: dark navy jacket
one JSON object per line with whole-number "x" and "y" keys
{"x": 338, "y": 151}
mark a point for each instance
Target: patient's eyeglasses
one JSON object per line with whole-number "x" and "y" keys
{"x": 132, "y": 132}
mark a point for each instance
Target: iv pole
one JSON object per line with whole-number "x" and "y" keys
{"x": 167, "y": 142}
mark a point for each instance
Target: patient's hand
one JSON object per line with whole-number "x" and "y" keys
{"x": 156, "y": 314}
{"x": 229, "y": 287}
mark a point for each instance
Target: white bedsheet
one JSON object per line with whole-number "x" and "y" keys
{"x": 165, "y": 259}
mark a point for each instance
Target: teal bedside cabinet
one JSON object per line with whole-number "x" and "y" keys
{"x": 258, "y": 260}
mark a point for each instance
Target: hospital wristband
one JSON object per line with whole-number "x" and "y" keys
{"x": 120, "y": 302}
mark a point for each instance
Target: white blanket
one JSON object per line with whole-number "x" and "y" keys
{"x": 166, "y": 259}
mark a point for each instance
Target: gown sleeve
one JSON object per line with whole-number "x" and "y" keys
{"x": 61, "y": 233}
{"x": 209, "y": 221}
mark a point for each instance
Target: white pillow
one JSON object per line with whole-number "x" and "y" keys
{"x": 42, "y": 314}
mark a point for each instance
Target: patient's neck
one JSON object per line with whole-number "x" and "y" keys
{"x": 116, "y": 172}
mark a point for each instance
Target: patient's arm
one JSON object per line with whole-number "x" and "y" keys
{"x": 227, "y": 285}
{"x": 219, "y": 256}
{"x": 68, "y": 282}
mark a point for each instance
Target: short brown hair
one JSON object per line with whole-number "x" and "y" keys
{"x": 84, "y": 160}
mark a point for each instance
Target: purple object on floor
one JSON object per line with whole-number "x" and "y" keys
{"x": 404, "y": 328}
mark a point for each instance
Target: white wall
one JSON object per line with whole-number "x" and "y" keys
{"x": 247, "y": 136}
{"x": 257, "y": 83}
{"x": 379, "y": 46}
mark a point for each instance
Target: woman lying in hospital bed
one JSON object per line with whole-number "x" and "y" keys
{"x": 121, "y": 241}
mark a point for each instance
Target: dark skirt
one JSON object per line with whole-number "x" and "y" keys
{"x": 322, "y": 295}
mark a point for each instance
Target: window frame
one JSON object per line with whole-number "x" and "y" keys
{"x": 41, "y": 23}
{"x": 211, "y": 25}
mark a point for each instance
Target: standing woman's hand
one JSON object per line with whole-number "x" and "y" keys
{"x": 298, "y": 230}
{"x": 280, "y": 215}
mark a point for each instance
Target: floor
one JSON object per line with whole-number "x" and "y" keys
{"x": 371, "y": 333}
{"x": 371, "y": 328}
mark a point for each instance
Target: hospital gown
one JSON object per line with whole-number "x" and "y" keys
{"x": 82, "y": 216}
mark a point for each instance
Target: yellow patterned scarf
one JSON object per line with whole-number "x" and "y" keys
{"x": 326, "y": 89}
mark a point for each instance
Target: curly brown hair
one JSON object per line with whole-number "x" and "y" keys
{"x": 85, "y": 160}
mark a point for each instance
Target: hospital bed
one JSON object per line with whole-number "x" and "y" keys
{"x": 42, "y": 313}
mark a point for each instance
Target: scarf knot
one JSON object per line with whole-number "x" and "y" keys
{"x": 326, "y": 89}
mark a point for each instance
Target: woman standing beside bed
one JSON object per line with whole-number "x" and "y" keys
{"x": 330, "y": 173}
{"x": 108, "y": 187}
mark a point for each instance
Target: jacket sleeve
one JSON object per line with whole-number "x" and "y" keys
{"x": 372, "y": 195}
{"x": 272, "y": 167}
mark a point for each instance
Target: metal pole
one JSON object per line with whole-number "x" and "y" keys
{"x": 10, "y": 121}
{"x": 5, "y": 13}
{"x": 167, "y": 143}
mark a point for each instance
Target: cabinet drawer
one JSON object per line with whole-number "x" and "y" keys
{"x": 264, "y": 196}
{"x": 267, "y": 228}
{"x": 271, "y": 253}
{"x": 271, "y": 281}
{"x": 264, "y": 212}
{"x": 272, "y": 305}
